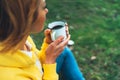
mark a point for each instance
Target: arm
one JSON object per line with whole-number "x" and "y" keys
{"x": 49, "y": 69}
{"x": 51, "y": 50}
{"x": 49, "y": 53}
{"x": 50, "y": 72}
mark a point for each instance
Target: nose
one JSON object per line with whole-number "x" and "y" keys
{"x": 46, "y": 10}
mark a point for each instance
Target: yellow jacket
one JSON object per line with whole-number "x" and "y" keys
{"x": 19, "y": 66}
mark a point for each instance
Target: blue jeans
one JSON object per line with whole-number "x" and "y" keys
{"x": 67, "y": 67}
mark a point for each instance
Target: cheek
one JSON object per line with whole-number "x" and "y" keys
{"x": 39, "y": 24}
{"x": 42, "y": 19}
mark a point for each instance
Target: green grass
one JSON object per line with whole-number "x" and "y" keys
{"x": 95, "y": 28}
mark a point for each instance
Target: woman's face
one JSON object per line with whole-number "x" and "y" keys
{"x": 39, "y": 22}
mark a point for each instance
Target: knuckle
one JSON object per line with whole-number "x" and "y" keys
{"x": 62, "y": 47}
{"x": 52, "y": 45}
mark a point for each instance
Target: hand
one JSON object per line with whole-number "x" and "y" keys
{"x": 55, "y": 49}
{"x": 47, "y": 32}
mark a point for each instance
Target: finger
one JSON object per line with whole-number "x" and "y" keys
{"x": 64, "y": 43}
{"x": 47, "y": 32}
{"x": 67, "y": 30}
{"x": 47, "y": 36}
{"x": 58, "y": 40}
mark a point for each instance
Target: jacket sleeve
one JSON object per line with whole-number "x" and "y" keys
{"x": 41, "y": 54}
{"x": 50, "y": 72}
{"x": 49, "y": 69}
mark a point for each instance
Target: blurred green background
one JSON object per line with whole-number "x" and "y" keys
{"x": 95, "y": 27}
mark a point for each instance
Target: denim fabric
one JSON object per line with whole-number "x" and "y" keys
{"x": 67, "y": 67}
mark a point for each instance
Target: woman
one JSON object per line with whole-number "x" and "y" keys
{"x": 19, "y": 58}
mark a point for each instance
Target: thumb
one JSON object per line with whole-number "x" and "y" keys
{"x": 47, "y": 36}
{"x": 47, "y": 32}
